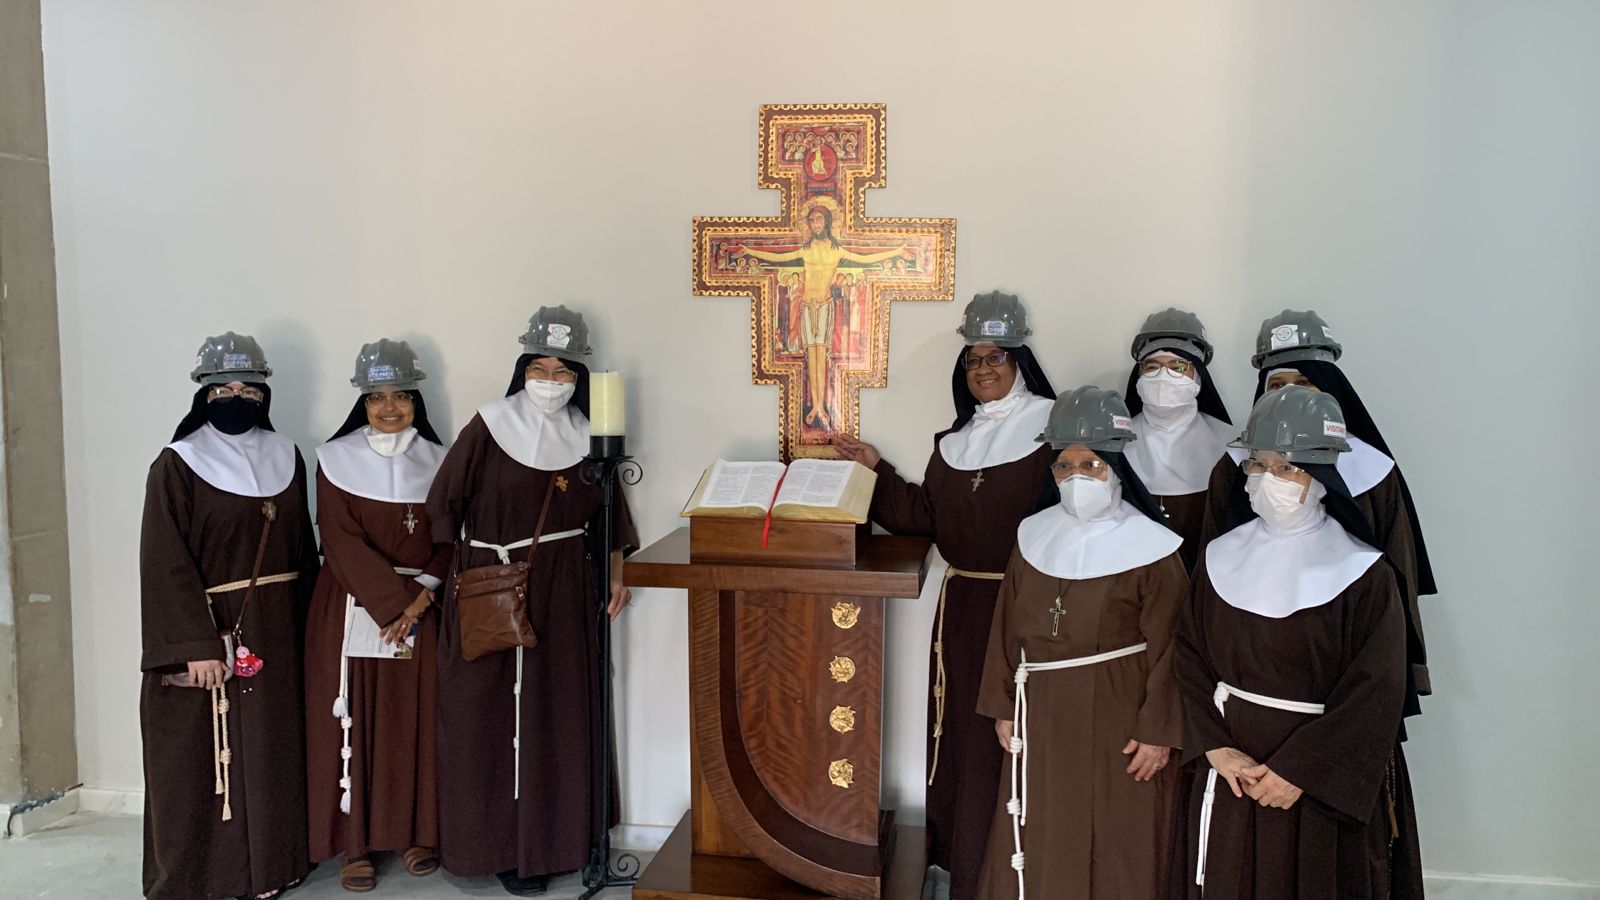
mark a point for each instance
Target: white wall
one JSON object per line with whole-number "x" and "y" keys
{"x": 1423, "y": 173}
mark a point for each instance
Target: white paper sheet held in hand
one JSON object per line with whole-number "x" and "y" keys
{"x": 363, "y": 638}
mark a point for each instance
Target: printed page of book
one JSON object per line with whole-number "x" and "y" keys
{"x": 815, "y": 482}
{"x": 734, "y": 484}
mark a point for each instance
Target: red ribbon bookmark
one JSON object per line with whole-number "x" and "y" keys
{"x": 766, "y": 526}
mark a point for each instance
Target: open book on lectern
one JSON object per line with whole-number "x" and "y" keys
{"x": 811, "y": 490}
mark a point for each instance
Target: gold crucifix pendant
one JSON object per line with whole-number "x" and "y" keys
{"x": 1055, "y": 618}
{"x": 977, "y": 480}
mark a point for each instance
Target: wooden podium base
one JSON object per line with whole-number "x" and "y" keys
{"x": 677, "y": 873}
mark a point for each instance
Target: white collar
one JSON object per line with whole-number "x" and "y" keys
{"x": 1001, "y": 431}
{"x": 1174, "y": 458}
{"x": 257, "y": 463}
{"x": 1061, "y": 545}
{"x": 1277, "y": 575}
{"x": 537, "y": 439}
{"x": 1361, "y": 469}
{"x": 356, "y": 465}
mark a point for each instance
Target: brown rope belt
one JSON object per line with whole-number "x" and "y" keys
{"x": 938, "y": 658}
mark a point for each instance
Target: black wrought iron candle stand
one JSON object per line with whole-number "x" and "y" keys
{"x": 608, "y": 463}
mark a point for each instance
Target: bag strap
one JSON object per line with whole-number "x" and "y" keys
{"x": 544, "y": 512}
{"x": 269, "y": 514}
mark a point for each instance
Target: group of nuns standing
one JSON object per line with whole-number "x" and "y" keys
{"x": 267, "y": 747}
{"x": 1171, "y": 656}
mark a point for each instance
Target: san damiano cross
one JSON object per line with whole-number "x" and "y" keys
{"x": 822, "y": 273}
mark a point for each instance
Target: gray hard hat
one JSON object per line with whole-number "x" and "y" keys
{"x": 1173, "y": 329}
{"x": 995, "y": 318}
{"x": 1304, "y": 425}
{"x": 386, "y": 363}
{"x": 229, "y": 357}
{"x": 557, "y": 331}
{"x": 1294, "y": 335}
{"x": 1091, "y": 416}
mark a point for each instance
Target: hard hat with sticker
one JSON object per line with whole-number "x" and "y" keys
{"x": 1091, "y": 416}
{"x": 1304, "y": 425}
{"x": 1292, "y": 336}
{"x": 995, "y": 318}
{"x": 1172, "y": 329}
{"x": 557, "y": 331}
{"x": 386, "y": 363}
{"x": 230, "y": 357}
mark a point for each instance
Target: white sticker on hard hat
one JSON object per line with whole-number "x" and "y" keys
{"x": 1333, "y": 429}
{"x": 1285, "y": 336}
{"x": 382, "y": 372}
{"x": 995, "y": 328}
{"x": 236, "y": 361}
{"x": 559, "y": 336}
{"x": 1122, "y": 422}
{"x": 1327, "y": 332}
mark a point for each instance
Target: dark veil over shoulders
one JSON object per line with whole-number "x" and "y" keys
{"x": 1330, "y": 379}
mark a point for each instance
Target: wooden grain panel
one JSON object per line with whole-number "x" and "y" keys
{"x": 784, "y": 643}
{"x": 790, "y": 846}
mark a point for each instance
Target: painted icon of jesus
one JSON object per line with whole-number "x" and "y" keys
{"x": 820, "y": 253}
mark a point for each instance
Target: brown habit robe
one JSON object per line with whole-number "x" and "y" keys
{"x": 1092, "y": 831}
{"x": 482, "y": 829}
{"x": 1186, "y": 515}
{"x": 1346, "y": 654}
{"x": 196, "y": 536}
{"x": 394, "y": 782}
{"x": 975, "y": 530}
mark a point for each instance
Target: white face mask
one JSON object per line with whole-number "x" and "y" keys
{"x": 1084, "y": 497}
{"x": 1166, "y": 389}
{"x": 549, "y": 395}
{"x": 1283, "y": 504}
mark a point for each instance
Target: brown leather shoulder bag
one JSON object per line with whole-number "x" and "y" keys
{"x": 492, "y": 601}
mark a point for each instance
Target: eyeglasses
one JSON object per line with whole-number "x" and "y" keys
{"x": 563, "y": 374}
{"x": 1178, "y": 366}
{"x": 222, "y": 392}
{"x": 1277, "y": 467}
{"x": 400, "y": 398}
{"x": 994, "y": 360}
{"x": 1089, "y": 467}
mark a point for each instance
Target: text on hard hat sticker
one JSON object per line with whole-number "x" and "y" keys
{"x": 995, "y": 328}
{"x": 382, "y": 372}
{"x": 1333, "y": 429}
{"x": 236, "y": 360}
{"x": 560, "y": 336}
{"x": 1285, "y": 336}
{"x": 1122, "y": 422}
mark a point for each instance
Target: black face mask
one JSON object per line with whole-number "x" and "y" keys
{"x": 233, "y": 415}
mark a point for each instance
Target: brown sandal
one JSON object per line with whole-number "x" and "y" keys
{"x": 421, "y": 861}
{"x": 358, "y": 876}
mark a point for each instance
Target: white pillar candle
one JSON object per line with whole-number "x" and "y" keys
{"x": 607, "y": 411}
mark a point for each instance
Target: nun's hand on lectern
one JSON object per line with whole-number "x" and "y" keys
{"x": 857, "y": 451}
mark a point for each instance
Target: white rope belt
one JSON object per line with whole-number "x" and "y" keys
{"x": 1017, "y": 806}
{"x": 939, "y": 681}
{"x": 341, "y": 703}
{"x": 504, "y": 552}
{"x": 1220, "y": 698}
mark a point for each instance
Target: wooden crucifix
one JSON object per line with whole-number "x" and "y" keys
{"x": 822, "y": 273}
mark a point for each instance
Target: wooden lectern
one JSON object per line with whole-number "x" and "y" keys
{"x": 786, "y": 698}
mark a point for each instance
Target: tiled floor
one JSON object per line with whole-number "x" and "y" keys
{"x": 94, "y": 856}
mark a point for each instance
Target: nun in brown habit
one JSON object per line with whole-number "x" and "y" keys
{"x": 372, "y": 638}
{"x": 1182, "y": 426}
{"x": 226, "y": 563}
{"x": 1291, "y": 659}
{"x": 984, "y": 476}
{"x": 1079, "y": 676}
{"x": 1297, "y": 347}
{"x": 520, "y": 742}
